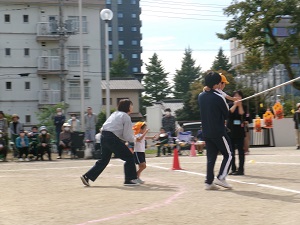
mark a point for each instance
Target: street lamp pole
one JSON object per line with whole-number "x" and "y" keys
{"x": 82, "y": 91}
{"x": 107, "y": 15}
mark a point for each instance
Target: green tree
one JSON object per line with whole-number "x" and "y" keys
{"x": 119, "y": 67}
{"x": 155, "y": 82}
{"x": 186, "y": 75}
{"x": 221, "y": 62}
{"x": 253, "y": 22}
{"x": 190, "y": 110}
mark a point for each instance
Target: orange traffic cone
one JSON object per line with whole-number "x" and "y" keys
{"x": 193, "y": 150}
{"x": 176, "y": 165}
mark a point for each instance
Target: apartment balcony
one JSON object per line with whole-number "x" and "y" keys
{"x": 50, "y": 31}
{"x": 48, "y": 97}
{"x": 48, "y": 65}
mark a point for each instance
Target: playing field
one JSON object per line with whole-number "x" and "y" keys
{"x": 45, "y": 193}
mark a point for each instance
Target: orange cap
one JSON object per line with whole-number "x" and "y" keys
{"x": 223, "y": 79}
{"x": 137, "y": 127}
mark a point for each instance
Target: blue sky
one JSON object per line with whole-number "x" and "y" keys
{"x": 171, "y": 26}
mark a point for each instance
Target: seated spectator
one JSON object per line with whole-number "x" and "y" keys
{"x": 162, "y": 138}
{"x": 44, "y": 143}
{"x": 65, "y": 140}
{"x": 33, "y": 141}
{"x": 3, "y": 147}
{"x": 22, "y": 144}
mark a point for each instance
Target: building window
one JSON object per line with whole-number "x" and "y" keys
{"x": 7, "y": 51}
{"x": 133, "y": 2}
{"x": 74, "y": 57}
{"x": 121, "y": 42}
{"x": 120, "y": 28}
{"x": 108, "y": 1}
{"x": 74, "y": 88}
{"x": 135, "y": 69}
{"x": 110, "y": 55}
{"x": 133, "y": 15}
{"x": 120, "y": 2}
{"x": 120, "y": 15}
{"x": 134, "y": 56}
{"x": 27, "y": 85}
{"x": 134, "y": 42}
{"x": 133, "y": 28}
{"x": 110, "y": 42}
{"x": 109, "y": 29}
{"x": 7, "y": 18}
{"x": 26, "y": 51}
{"x": 27, "y": 118}
{"x": 25, "y": 18}
{"x": 75, "y": 23}
{"x": 104, "y": 101}
{"x": 8, "y": 85}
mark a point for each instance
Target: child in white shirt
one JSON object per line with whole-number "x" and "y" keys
{"x": 140, "y": 131}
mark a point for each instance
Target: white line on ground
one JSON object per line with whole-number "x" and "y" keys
{"x": 236, "y": 181}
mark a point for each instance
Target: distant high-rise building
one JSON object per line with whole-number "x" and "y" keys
{"x": 124, "y": 34}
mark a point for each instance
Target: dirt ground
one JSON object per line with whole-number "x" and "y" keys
{"x": 51, "y": 193}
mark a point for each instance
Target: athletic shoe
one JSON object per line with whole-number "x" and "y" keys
{"x": 237, "y": 173}
{"x": 21, "y": 160}
{"x": 58, "y": 157}
{"x": 211, "y": 187}
{"x": 140, "y": 181}
{"x": 222, "y": 183}
{"x": 85, "y": 180}
{"x": 131, "y": 183}
{"x": 27, "y": 160}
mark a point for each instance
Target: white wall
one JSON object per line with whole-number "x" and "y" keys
{"x": 154, "y": 117}
{"x": 284, "y": 132}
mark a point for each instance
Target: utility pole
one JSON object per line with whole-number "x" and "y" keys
{"x": 61, "y": 32}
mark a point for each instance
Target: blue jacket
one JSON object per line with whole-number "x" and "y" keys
{"x": 214, "y": 111}
{"x": 18, "y": 142}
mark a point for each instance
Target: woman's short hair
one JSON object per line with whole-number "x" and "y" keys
{"x": 240, "y": 93}
{"x": 124, "y": 105}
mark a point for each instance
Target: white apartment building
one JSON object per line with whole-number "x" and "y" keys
{"x": 39, "y": 45}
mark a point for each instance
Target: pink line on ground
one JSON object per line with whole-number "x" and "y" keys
{"x": 137, "y": 211}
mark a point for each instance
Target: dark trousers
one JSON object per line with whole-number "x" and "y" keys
{"x": 112, "y": 144}
{"x": 42, "y": 150}
{"x": 3, "y": 152}
{"x": 238, "y": 143}
{"x": 23, "y": 150}
{"x": 213, "y": 147}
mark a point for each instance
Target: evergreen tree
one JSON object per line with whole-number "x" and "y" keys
{"x": 190, "y": 110}
{"x": 186, "y": 75}
{"x": 155, "y": 82}
{"x": 119, "y": 67}
{"x": 221, "y": 62}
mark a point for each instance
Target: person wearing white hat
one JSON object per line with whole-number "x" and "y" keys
{"x": 64, "y": 139}
{"x": 297, "y": 125}
{"x": 44, "y": 143}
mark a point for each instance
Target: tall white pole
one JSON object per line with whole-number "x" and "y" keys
{"x": 81, "y": 67}
{"x": 107, "y": 71}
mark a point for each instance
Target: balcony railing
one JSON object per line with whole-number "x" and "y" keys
{"x": 50, "y": 63}
{"x": 51, "y": 30}
{"x": 49, "y": 97}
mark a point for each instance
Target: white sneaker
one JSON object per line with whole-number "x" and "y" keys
{"x": 222, "y": 183}
{"x": 27, "y": 160}
{"x": 211, "y": 187}
{"x": 140, "y": 181}
{"x": 131, "y": 183}
{"x": 21, "y": 160}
